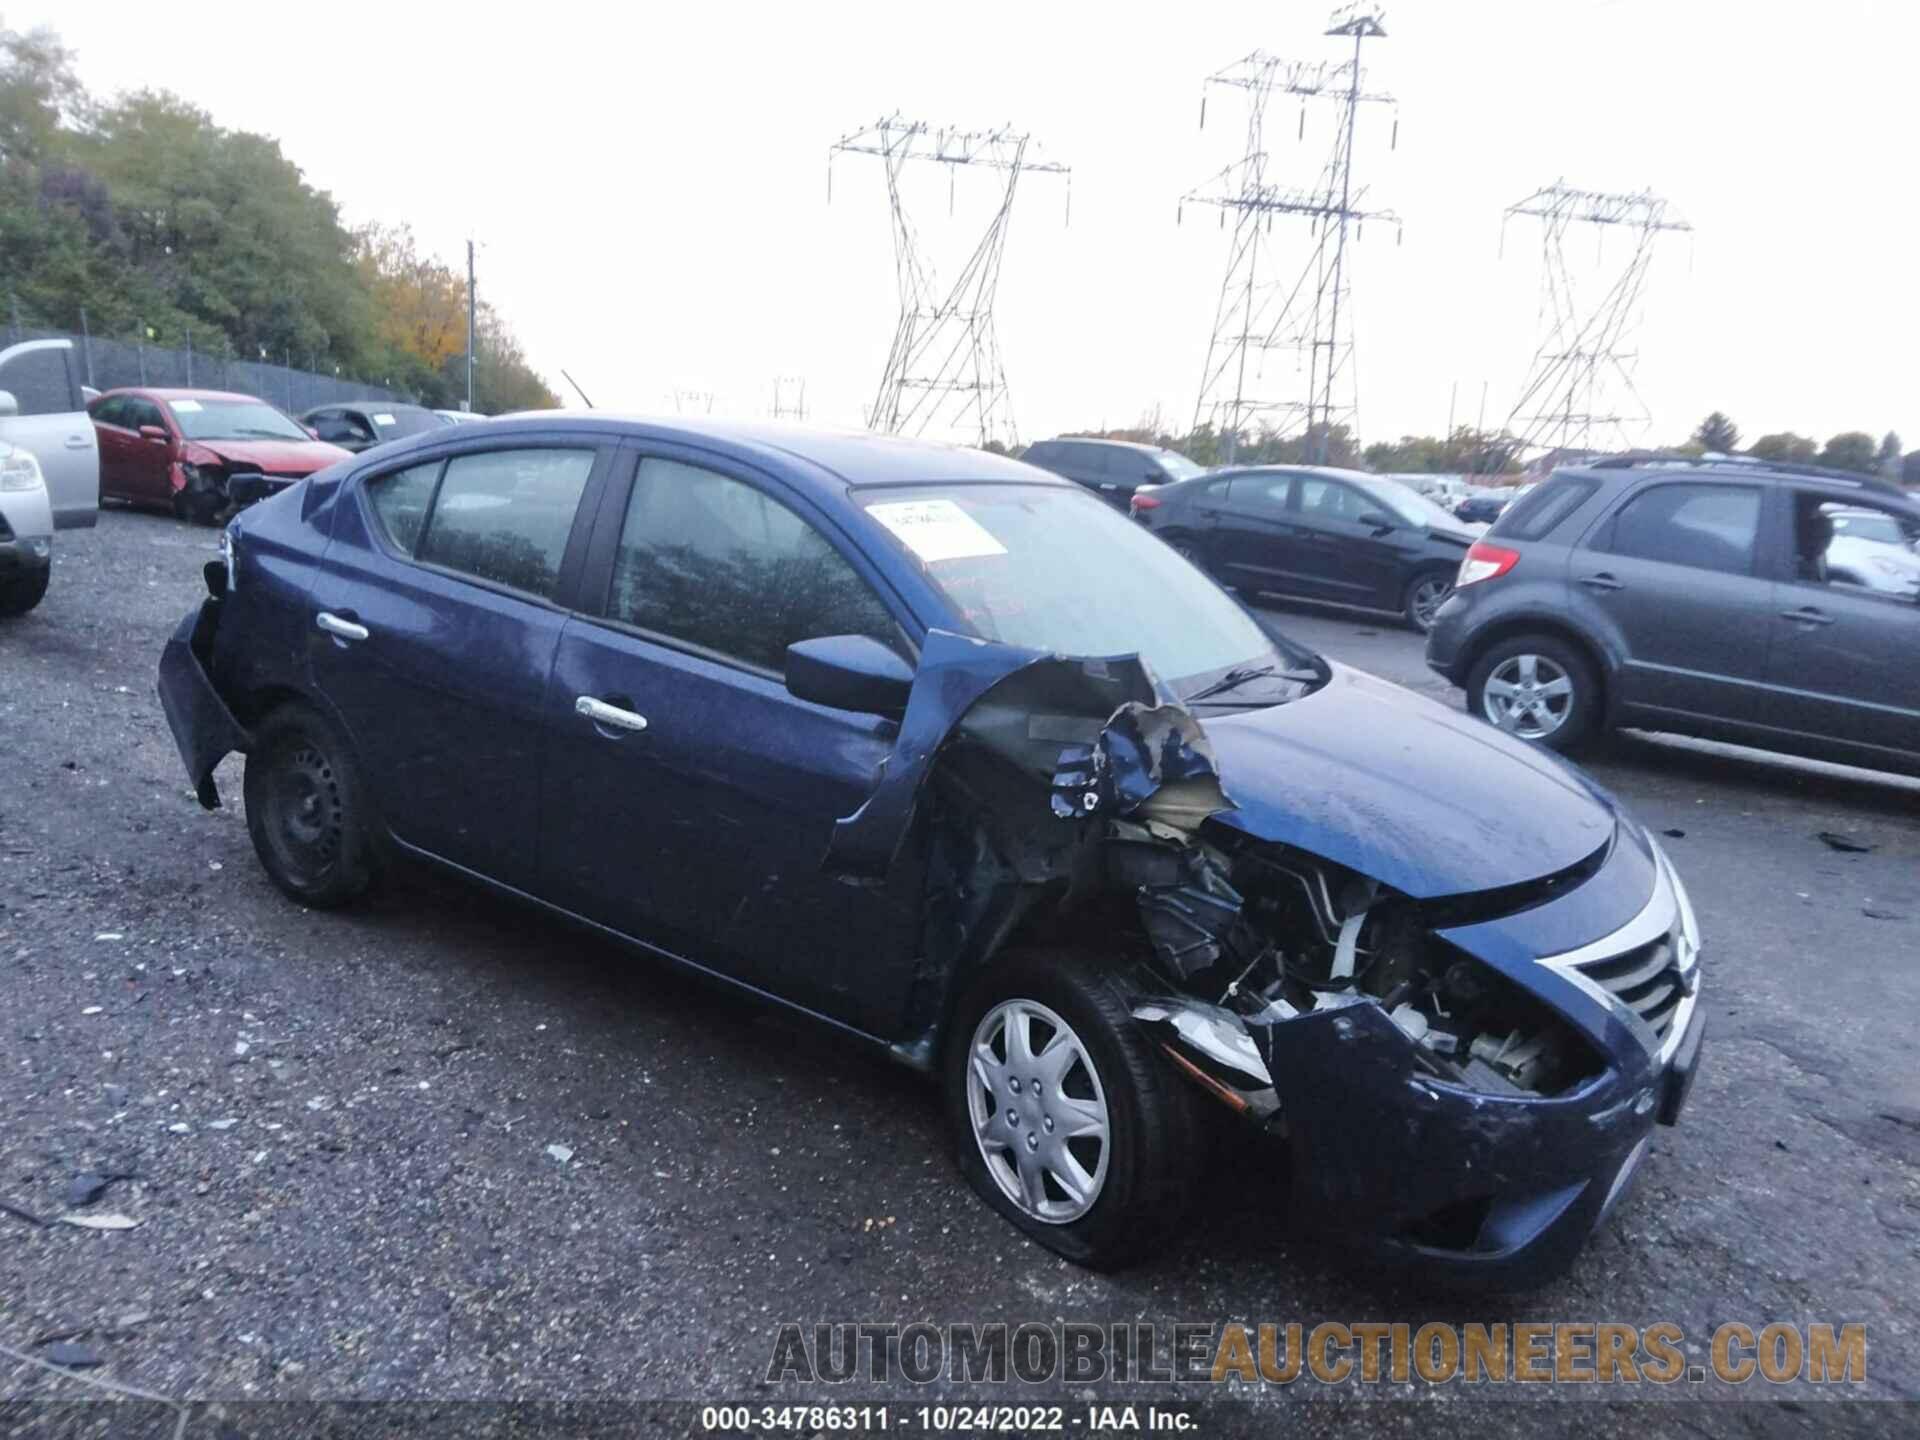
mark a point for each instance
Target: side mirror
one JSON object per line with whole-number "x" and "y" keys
{"x": 156, "y": 433}
{"x": 8, "y": 405}
{"x": 1375, "y": 520}
{"x": 848, "y": 672}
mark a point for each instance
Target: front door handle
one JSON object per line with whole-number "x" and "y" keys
{"x": 339, "y": 628}
{"x": 602, "y": 713}
{"x": 1807, "y": 615}
{"x": 1601, "y": 581}
{"x": 78, "y": 442}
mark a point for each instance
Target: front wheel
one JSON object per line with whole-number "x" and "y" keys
{"x": 305, "y": 811}
{"x": 1424, "y": 598}
{"x": 1539, "y": 688}
{"x": 1065, "y": 1119}
{"x": 21, "y": 592}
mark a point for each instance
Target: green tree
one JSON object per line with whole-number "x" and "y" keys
{"x": 1850, "y": 450}
{"x": 1887, "y": 462}
{"x": 1785, "y": 445}
{"x": 1717, "y": 433}
{"x": 1910, "y": 469}
{"x": 39, "y": 94}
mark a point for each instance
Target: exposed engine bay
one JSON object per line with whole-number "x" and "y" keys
{"x": 1075, "y": 794}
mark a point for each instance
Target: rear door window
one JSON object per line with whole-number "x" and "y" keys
{"x": 1536, "y": 514}
{"x": 400, "y": 500}
{"x": 1707, "y": 527}
{"x": 1263, "y": 496}
{"x": 504, "y": 516}
{"x": 716, "y": 563}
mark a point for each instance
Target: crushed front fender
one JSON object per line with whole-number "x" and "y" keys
{"x": 204, "y": 729}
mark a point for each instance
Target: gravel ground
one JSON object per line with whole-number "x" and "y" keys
{"x": 441, "y": 1147}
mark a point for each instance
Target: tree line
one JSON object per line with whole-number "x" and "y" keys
{"x": 142, "y": 218}
{"x": 1468, "y": 451}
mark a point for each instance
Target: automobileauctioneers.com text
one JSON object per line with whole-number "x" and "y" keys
{"x": 1544, "y": 1352}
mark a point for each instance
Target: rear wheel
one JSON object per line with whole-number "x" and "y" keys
{"x": 20, "y": 593}
{"x": 1538, "y": 688}
{"x": 1424, "y": 597}
{"x": 1065, "y": 1120}
{"x": 305, "y": 811}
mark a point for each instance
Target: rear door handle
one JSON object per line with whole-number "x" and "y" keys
{"x": 602, "y": 713}
{"x": 339, "y": 628}
{"x": 1601, "y": 581}
{"x": 1807, "y": 615}
{"x": 78, "y": 442}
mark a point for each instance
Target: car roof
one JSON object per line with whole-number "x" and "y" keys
{"x": 156, "y": 392}
{"x": 843, "y": 459}
{"x": 1806, "y": 477}
{"x": 1139, "y": 445}
{"x": 369, "y": 405}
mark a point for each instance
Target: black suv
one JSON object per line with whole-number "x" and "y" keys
{"x": 1691, "y": 597}
{"x": 1112, "y": 469}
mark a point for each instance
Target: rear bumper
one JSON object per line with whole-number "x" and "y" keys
{"x": 204, "y": 729}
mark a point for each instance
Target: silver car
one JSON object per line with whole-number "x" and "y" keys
{"x": 41, "y": 412}
{"x": 1869, "y": 548}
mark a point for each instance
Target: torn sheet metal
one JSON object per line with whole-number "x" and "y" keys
{"x": 1100, "y": 737}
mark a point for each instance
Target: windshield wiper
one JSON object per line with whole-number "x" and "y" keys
{"x": 1240, "y": 675}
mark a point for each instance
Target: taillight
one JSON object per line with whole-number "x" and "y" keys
{"x": 1141, "y": 502}
{"x": 1485, "y": 562}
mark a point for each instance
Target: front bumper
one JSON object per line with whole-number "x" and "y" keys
{"x": 245, "y": 487}
{"x": 204, "y": 729}
{"x": 1502, "y": 1188}
{"x": 21, "y": 555}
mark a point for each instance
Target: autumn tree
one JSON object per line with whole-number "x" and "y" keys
{"x": 1850, "y": 450}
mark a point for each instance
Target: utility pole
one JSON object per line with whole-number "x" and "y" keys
{"x": 944, "y": 368}
{"x": 1259, "y": 310}
{"x": 470, "y": 326}
{"x": 1579, "y": 392}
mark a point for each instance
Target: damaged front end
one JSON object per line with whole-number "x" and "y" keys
{"x": 204, "y": 728}
{"x": 1443, "y": 1078}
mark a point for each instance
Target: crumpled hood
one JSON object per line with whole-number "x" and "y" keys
{"x": 276, "y": 457}
{"x": 1401, "y": 788}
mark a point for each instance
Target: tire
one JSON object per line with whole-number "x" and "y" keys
{"x": 22, "y": 592}
{"x": 1144, "y": 1171}
{"x": 306, "y": 811}
{"x": 1534, "y": 715}
{"x": 1425, "y": 594}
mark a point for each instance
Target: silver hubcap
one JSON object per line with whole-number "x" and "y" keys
{"x": 1038, "y": 1110}
{"x": 1428, "y": 597}
{"x": 1529, "y": 696}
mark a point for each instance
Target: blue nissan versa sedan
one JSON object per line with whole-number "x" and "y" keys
{"x": 942, "y": 751}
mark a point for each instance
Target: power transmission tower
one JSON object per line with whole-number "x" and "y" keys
{"x": 1579, "y": 392}
{"x": 789, "y": 397}
{"x": 1259, "y": 310}
{"x": 944, "y": 366}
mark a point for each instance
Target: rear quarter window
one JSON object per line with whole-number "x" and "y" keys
{"x": 1539, "y": 513}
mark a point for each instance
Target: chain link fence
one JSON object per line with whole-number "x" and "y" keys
{"x": 110, "y": 364}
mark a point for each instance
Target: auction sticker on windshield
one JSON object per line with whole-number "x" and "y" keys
{"x": 185, "y": 407}
{"x": 937, "y": 530}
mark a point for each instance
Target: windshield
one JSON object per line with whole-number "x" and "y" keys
{"x": 1055, "y": 569}
{"x": 1178, "y": 465}
{"x": 397, "y": 420}
{"x": 233, "y": 420}
{"x": 1883, "y": 528}
{"x": 1406, "y": 502}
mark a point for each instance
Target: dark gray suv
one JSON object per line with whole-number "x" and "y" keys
{"x": 1112, "y": 469}
{"x": 1689, "y": 597}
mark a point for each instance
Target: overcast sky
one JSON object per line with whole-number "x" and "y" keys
{"x": 649, "y": 183}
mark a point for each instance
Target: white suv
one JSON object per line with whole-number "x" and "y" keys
{"x": 26, "y": 531}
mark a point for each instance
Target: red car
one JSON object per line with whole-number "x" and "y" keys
{"x": 199, "y": 451}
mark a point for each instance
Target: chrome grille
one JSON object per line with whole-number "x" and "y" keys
{"x": 1647, "y": 980}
